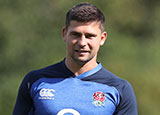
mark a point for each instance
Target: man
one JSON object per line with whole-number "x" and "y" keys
{"x": 78, "y": 85}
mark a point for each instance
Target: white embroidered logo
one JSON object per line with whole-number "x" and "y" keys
{"x": 46, "y": 93}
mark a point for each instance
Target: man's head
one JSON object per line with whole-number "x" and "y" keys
{"x": 85, "y": 12}
{"x": 84, "y": 33}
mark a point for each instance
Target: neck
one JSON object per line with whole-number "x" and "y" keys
{"x": 79, "y": 68}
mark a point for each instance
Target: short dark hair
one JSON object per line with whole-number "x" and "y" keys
{"x": 85, "y": 12}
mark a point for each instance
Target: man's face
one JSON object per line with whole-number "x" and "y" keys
{"x": 83, "y": 41}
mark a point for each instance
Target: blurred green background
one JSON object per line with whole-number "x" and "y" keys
{"x": 31, "y": 38}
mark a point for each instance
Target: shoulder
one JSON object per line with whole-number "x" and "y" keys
{"x": 51, "y": 71}
{"x": 126, "y": 93}
{"x": 106, "y": 77}
{"x": 128, "y": 103}
{"x": 111, "y": 79}
{"x": 123, "y": 86}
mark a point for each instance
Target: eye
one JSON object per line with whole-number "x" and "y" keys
{"x": 90, "y": 36}
{"x": 75, "y": 34}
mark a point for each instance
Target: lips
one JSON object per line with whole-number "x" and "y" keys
{"x": 82, "y": 51}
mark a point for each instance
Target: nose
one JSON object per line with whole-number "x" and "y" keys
{"x": 82, "y": 41}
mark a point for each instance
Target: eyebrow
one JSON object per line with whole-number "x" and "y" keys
{"x": 90, "y": 35}
{"x": 79, "y": 34}
{"x": 75, "y": 33}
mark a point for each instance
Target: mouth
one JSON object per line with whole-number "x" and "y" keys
{"x": 82, "y": 51}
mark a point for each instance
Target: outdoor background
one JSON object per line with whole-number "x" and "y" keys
{"x": 31, "y": 38}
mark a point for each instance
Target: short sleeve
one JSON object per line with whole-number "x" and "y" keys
{"x": 24, "y": 102}
{"x": 128, "y": 104}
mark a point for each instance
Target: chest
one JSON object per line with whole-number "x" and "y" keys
{"x": 73, "y": 96}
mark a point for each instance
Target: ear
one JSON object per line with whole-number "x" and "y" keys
{"x": 103, "y": 38}
{"x": 64, "y": 32}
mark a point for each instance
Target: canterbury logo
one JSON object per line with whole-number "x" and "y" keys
{"x": 46, "y": 93}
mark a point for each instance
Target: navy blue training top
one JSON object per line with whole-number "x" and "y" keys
{"x": 55, "y": 90}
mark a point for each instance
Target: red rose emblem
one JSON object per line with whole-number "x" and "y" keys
{"x": 99, "y": 96}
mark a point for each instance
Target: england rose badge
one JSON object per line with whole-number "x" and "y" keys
{"x": 99, "y": 98}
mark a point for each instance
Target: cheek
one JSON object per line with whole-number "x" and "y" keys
{"x": 70, "y": 43}
{"x": 95, "y": 45}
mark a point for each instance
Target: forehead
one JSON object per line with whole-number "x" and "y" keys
{"x": 82, "y": 26}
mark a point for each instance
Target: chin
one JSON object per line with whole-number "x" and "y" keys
{"x": 81, "y": 60}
